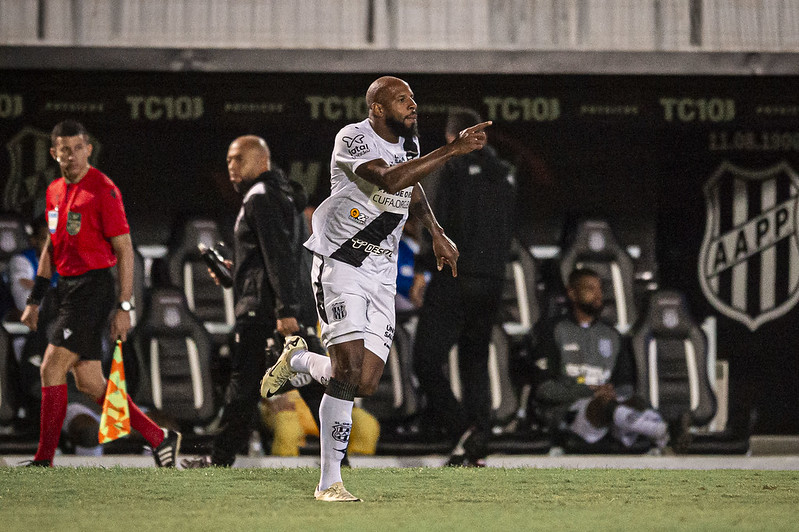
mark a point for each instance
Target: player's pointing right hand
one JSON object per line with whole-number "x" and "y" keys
{"x": 471, "y": 139}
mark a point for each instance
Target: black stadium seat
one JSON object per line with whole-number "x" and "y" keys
{"x": 175, "y": 350}
{"x": 594, "y": 245}
{"x": 212, "y": 304}
{"x": 671, "y": 360}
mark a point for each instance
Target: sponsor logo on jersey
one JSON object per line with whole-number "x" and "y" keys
{"x": 357, "y": 139}
{"x": 358, "y": 150}
{"x": 355, "y": 145}
{"x": 398, "y": 202}
{"x": 358, "y": 216}
{"x": 373, "y": 249}
{"x": 749, "y": 258}
{"x": 389, "y": 334}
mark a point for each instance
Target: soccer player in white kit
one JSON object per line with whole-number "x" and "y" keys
{"x": 375, "y": 173}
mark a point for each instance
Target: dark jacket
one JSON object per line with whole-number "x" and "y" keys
{"x": 475, "y": 203}
{"x": 271, "y": 270}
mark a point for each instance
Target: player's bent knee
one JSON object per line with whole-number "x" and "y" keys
{"x": 348, "y": 375}
{"x": 368, "y": 387}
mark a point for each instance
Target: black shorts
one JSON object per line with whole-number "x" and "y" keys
{"x": 83, "y": 304}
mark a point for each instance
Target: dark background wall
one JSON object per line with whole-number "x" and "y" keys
{"x": 636, "y": 149}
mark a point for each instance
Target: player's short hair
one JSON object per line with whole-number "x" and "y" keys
{"x": 68, "y": 128}
{"x": 578, "y": 274}
{"x": 460, "y": 118}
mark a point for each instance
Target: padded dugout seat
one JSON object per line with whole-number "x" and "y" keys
{"x": 520, "y": 307}
{"x": 213, "y": 305}
{"x": 175, "y": 352}
{"x": 672, "y": 374}
{"x": 671, "y": 361}
{"x": 594, "y": 245}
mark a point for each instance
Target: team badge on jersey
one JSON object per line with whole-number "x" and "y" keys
{"x": 749, "y": 259}
{"x": 339, "y": 311}
{"x": 73, "y": 223}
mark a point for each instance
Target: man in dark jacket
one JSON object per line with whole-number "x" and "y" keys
{"x": 271, "y": 284}
{"x": 589, "y": 391}
{"x": 474, "y": 202}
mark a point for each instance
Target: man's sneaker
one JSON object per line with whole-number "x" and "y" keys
{"x": 335, "y": 493}
{"x": 196, "y": 463}
{"x": 36, "y": 463}
{"x": 277, "y": 375}
{"x": 166, "y": 454}
{"x": 461, "y": 460}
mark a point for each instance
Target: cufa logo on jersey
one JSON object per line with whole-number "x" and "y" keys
{"x": 749, "y": 259}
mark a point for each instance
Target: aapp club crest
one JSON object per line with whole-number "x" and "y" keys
{"x": 749, "y": 259}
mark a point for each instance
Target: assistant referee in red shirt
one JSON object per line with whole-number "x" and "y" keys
{"x": 89, "y": 234}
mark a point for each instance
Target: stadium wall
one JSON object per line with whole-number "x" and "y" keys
{"x": 692, "y": 157}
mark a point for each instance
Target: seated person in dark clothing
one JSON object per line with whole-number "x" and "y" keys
{"x": 588, "y": 390}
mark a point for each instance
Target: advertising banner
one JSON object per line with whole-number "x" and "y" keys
{"x": 701, "y": 173}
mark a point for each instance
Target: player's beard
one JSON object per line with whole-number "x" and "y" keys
{"x": 401, "y": 130}
{"x": 591, "y": 309}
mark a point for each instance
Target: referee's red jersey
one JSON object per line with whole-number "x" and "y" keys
{"x": 82, "y": 219}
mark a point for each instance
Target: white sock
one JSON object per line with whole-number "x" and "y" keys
{"x": 309, "y": 362}
{"x": 335, "y": 420}
{"x": 647, "y": 423}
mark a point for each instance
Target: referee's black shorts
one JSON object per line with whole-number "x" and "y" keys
{"x": 83, "y": 305}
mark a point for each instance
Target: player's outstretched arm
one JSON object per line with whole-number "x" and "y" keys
{"x": 395, "y": 178}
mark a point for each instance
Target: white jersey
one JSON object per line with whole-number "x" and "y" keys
{"x": 361, "y": 224}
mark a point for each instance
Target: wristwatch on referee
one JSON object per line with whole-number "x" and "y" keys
{"x": 127, "y": 306}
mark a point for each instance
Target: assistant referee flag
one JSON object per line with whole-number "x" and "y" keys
{"x": 115, "y": 420}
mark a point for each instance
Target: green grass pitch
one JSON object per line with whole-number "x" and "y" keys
{"x": 458, "y": 499}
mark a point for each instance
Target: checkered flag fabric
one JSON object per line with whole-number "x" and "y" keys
{"x": 115, "y": 420}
